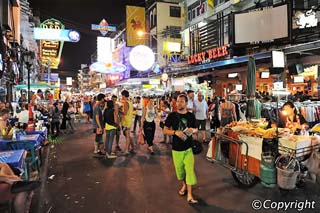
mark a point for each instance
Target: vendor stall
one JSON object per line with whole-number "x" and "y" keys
{"x": 273, "y": 155}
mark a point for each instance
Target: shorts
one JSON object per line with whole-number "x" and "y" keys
{"x": 98, "y": 138}
{"x": 201, "y": 124}
{"x": 124, "y": 129}
{"x": 184, "y": 165}
{"x": 118, "y": 131}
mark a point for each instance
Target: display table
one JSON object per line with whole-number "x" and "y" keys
{"x": 14, "y": 158}
{"x": 35, "y": 139}
{"x": 43, "y": 132}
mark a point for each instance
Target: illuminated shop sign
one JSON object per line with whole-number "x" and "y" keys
{"x": 307, "y": 19}
{"x": 55, "y": 34}
{"x": 103, "y": 27}
{"x": 112, "y": 79}
{"x": 206, "y": 56}
{"x": 51, "y": 50}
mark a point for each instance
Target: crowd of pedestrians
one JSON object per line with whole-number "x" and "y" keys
{"x": 179, "y": 116}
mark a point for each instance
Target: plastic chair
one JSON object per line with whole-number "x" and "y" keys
{"x": 31, "y": 160}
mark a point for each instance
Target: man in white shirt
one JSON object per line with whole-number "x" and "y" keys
{"x": 190, "y": 105}
{"x": 137, "y": 106}
{"x": 23, "y": 116}
{"x": 201, "y": 114}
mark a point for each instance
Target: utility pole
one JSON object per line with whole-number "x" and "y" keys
{"x": 49, "y": 71}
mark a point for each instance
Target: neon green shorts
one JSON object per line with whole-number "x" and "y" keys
{"x": 184, "y": 164}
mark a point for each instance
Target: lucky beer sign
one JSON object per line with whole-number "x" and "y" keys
{"x": 208, "y": 55}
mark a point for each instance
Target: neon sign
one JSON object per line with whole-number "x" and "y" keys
{"x": 51, "y": 50}
{"x": 214, "y": 53}
{"x": 103, "y": 27}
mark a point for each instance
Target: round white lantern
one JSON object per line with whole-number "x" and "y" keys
{"x": 141, "y": 58}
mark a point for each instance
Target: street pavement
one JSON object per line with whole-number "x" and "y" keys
{"x": 75, "y": 181}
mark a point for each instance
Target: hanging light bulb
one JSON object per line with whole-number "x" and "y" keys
{"x": 164, "y": 77}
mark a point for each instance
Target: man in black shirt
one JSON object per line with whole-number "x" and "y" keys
{"x": 181, "y": 125}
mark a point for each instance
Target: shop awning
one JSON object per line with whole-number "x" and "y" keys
{"x": 227, "y": 62}
{"x": 299, "y": 48}
{"x": 34, "y": 86}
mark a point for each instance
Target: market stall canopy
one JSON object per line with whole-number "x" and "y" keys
{"x": 33, "y": 86}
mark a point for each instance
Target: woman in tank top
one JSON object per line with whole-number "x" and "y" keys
{"x": 148, "y": 124}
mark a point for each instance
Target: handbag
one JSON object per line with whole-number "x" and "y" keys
{"x": 196, "y": 147}
{"x": 141, "y": 139}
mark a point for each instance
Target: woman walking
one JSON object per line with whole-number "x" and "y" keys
{"x": 165, "y": 111}
{"x": 55, "y": 123}
{"x": 148, "y": 124}
{"x": 111, "y": 124}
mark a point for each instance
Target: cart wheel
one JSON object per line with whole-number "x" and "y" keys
{"x": 245, "y": 180}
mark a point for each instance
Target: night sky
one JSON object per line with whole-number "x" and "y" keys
{"x": 79, "y": 15}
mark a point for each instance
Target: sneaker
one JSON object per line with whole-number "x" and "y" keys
{"x": 118, "y": 149}
{"x": 111, "y": 156}
{"x": 126, "y": 153}
{"x": 98, "y": 153}
{"x": 132, "y": 151}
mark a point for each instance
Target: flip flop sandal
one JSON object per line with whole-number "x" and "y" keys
{"x": 193, "y": 201}
{"x": 182, "y": 193}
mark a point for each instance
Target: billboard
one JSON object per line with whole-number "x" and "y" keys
{"x": 55, "y": 34}
{"x": 135, "y": 22}
{"x": 104, "y": 49}
{"x": 263, "y": 25}
{"x": 53, "y": 77}
{"x": 50, "y": 51}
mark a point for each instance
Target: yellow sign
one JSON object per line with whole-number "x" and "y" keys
{"x": 147, "y": 86}
{"x": 51, "y": 50}
{"x": 211, "y": 3}
{"x": 171, "y": 46}
{"x": 135, "y": 18}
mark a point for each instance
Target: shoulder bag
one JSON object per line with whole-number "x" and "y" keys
{"x": 196, "y": 146}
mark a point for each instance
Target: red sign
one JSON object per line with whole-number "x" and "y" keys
{"x": 214, "y": 53}
{"x": 112, "y": 79}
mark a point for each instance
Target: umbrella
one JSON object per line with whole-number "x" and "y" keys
{"x": 251, "y": 87}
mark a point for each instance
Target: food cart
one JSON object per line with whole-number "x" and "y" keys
{"x": 240, "y": 147}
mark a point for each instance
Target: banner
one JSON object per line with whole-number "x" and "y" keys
{"x": 135, "y": 21}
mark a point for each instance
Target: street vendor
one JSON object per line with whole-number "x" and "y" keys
{"x": 289, "y": 117}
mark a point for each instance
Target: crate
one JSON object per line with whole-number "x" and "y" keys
{"x": 296, "y": 145}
